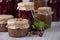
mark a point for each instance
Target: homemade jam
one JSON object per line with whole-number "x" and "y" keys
{"x": 18, "y": 27}
{"x": 25, "y": 10}
{"x": 3, "y": 22}
{"x": 45, "y": 15}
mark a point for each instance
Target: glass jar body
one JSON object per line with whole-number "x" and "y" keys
{"x": 46, "y": 19}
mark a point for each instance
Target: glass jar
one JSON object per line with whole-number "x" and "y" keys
{"x": 25, "y": 10}
{"x": 18, "y": 27}
{"x": 45, "y": 15}
{"x": 3, "y": 22}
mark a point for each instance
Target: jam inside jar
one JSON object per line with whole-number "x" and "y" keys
{"x": 46, "y": 19}
{"x": 25, "y": 14}
{"x": 25, "y": 10}
{"x": 45, "y": 15}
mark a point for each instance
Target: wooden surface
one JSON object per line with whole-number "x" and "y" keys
{"x": 52, "y": 33}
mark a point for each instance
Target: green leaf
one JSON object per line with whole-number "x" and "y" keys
{"x": 37, "y": 24}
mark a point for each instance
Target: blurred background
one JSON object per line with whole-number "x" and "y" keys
{"x": 54, "y": 4}
{"x": 9, "y": 7}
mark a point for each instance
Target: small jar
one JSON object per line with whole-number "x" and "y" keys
{"x": 18, "y": 27}
{"x": 3, "y": 22}
{"x": 25, "y": 10}
{"x": 45, "y": 15}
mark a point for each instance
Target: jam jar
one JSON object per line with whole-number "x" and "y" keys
{"x": 15, "y": 2}
{"x": 45, "y": 15}
{"x": 25, "y": 10}
{"x": 18, "y": 27}
{"x": 3, "y": 22}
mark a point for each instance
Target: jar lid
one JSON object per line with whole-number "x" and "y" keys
{"x": 45, "y": 11}
{"x": 4, "y": 18}
{"x": 25, "y": 6}
{"x": 18, "y": 23}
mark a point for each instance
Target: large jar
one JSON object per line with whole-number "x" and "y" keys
{"x": 15, "y": 2}
{"x": 25, "y": 10}
{"x": 18, "y": 27}
{"x": 3, "y": 22}
{"x": 45, "y": 15}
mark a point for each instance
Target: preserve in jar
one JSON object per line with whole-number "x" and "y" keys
{"x": 45, "y": 15}
{"x": 25, "y": 10}
{"x": 3, "y": 22}
{"x": 18, "y": 27}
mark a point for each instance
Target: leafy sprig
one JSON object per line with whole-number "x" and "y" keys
{"x": 38, "y": 25}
